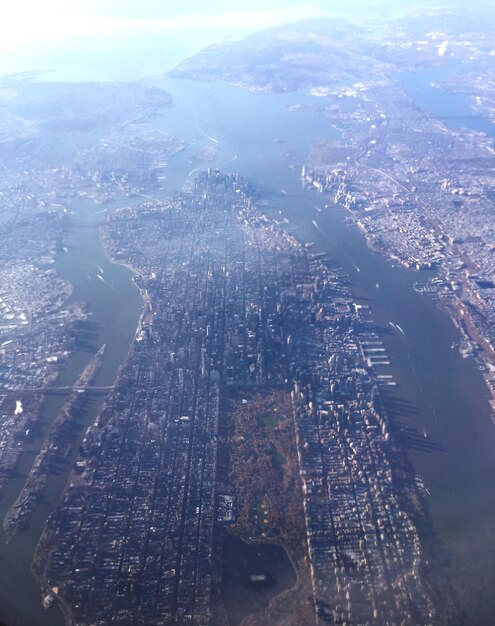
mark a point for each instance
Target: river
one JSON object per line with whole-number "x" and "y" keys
{"x": 440, "y": 402}
{"x": 115, "y": 306}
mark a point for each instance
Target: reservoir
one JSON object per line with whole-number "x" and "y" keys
{"x": 252, "y": 574}
{"x": 440, "y": 404}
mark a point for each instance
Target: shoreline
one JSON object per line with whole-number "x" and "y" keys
{"x": 453, "y": 306}
{"x": 47, "y": 537}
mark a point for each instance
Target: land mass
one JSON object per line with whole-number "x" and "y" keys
{"x": 233, "y": 302}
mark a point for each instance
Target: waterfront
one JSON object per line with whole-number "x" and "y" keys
{"x": 438, "y": 392}
{"x": 115, "y": 306}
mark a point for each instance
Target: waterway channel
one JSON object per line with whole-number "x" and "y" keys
{"x": 440, "y": 402}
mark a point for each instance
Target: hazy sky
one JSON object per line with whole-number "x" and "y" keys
{"x": 45, "y": 19}
{"x": 63, "y": 33}
{"x": 126, "y": 39}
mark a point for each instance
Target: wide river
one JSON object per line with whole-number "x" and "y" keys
{"x": 440, "y": 402}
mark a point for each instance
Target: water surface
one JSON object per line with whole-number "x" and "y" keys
{"x": 252, "y": 574}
